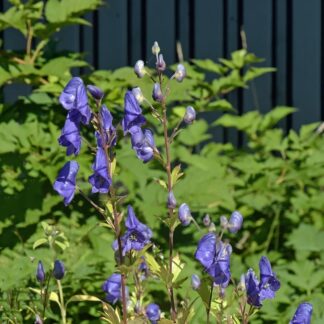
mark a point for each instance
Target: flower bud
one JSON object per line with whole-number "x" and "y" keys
{"x": 137, "y": 92}
{"x": 206, "y": 220}
{"x": 153, "y": 312}
{"x": 235, "y": 222}
{"x": 241, "y": 284}
{"x": 212, "y": 227}
{"x": 58, "y": 271}
{"x": 184, "y": 214}
{"x": 195, "y": 281}
{"x": 223, "y": 221}
{"x": 160, "y": 64}
{"x": 180, "y": 72}
{"x": 40, "y": 272}
{"x": 139, "y": 68}
{"x": 157, "y": 94}
{"x": 155, "y": 48}
{"x": 190, "y": 115}
{"x": 95, "y": 92}
{"x": 172, "y": 203}
{"x": 38, "y": 320}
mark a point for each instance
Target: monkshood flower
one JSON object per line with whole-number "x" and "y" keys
{"x": 206, "y": 220}
{"x": 137, "y": 92}
{"x": 70, "y": 137}
{"x": 235, "y": 222}
{"x": 180, "y": 73}
{"x": 214, "y": 255}
{"x": 100, "y": 179}
{"x": 133, "y": 113}
{"x": 172, "y": 202}
{"x": 58, "y": 271}
{"x": 153, "y": 313}
{"x": 139, "y": 68}
{"x": 112, "y": 288}
{"x": 190, "y": 115}
{"x": 137, "y": 234}
{"x": 265, "y": 289}
{"x": 303, "y": 314}
{"x": 74, "y": 99}
{"x": 143, "y": 143}
{"x": 95, "y": 92}
{"x": 160, "y": 64}
{"x": 66, "y": 180}
{"x": 223, "y": 221}
{"x": 40, "y": 272}
{"x": 195, "y": 281}
{"x": 107, "y": 127}
{"x": 184, "y": 214}
{"x": 157, "y": 94}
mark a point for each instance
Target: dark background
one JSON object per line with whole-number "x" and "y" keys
{"x": 287, "y": 33}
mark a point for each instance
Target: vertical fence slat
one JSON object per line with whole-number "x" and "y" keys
{"x": 183, "y": 21}
{"x": 258, "y": 29}
{"x": 306, "y": 62}
{"x": 113, "y": 34}
{"x": 88, "y": 39}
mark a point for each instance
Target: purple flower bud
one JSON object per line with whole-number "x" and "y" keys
{"x": 143, "y": 143}
{"x": 153, "y": 312}
{"x": 139, "y": 68}
{"x": 223, "y": 221}
{"x": 235, "y": 222}
{"x": 212, "y": 227}
{"x": 38, "y": 319}
{"x": 157, "y": 94}
{"x": 184, "y": 214}
{"x": 206, "y": 220}
{"x": 40, "y": 273}
{"x": 95, "y": 92}
{"x": 137, "y": 92}
{"x": 160, "y": 64}
{"x": 303, "y": 314}
{"x": 195, "y": 281}
{"x": 112, "y": 288}
{"x": 155, "y": 48}
{"x": 137, "y": 307}
{"x": 242, "y": 282}
{"x": 172, "y": 203}
{"x": 58, "y": 271}
{"x": 190, "y": 115}
{"x": 66, "y": 181}
{"x": 180, "y": 73}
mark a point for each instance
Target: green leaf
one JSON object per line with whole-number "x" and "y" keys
{"x": 61, "y": 66}
{"x": 274, "y": 116}
{"x": 81, "y": 298}
{"x": 176, "y": 175}
{"x": 39, "y": 243}
{"x": 254, "y": 72}
{"x": 211, "y": 66}
{"x": 221, "y": 104}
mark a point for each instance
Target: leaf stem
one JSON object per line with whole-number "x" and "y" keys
{"x": 209, "y": 302}
{"x": 62, "y": 306}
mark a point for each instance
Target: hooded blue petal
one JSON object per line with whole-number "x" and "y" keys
{"x": 153, "y": 312}
{"x": 269, "y": 283}
{"x": 142, "y": 143}
{"x": 112, "y": 288}
{"x": 206, "y": 250}
{"x": 303, "y": 314}
{"x": 252, "y": 289}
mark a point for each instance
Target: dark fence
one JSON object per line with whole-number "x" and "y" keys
{"x": 287, "y": 33}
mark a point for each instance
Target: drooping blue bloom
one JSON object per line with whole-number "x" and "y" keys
{"x": 40, "y": 272}
{"x": 190, "y": 115}
{"x": 70, "y": 137}
{"x": 184, "y": 214}
{"x": 172, "y": 202}
{"x": 153, "y": 313}
{"x": 303, "y": 314}
{"x": 74, "y": 99}
{"x": 66, "y": 181}
{"x": 112, "y": 288}
{"x": 265, "y": 289}
{"x": 195, "y": 281}
{"x": 108, "y": 129}
{"x": 132, "y": 113}
{"x": 157, "y": 94}
{"x": 95, "y": 92}
{"x": 59, "y": 270}
{"x": 100, "y": 179}
{"x": 214, "y": 255}
{"x": 137, "y": 234}
{"x": 235, "y": 222}
{"x": 143, "y": 143}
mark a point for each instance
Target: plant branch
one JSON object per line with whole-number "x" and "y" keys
{"x": 62, "y": 306}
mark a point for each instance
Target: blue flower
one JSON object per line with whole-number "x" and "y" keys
{"x": 195, "y": 281}
{"x": 133, "y": 113}
{"x": 58, "y": 271}
{"x": 74, "y": 99}
{"x": 70, "y": 137}
{"x": 95, "y": 92}
{"x": 157, "y": 94}
{"x": 143, "y": 143}
{"x": 265, "y": 289}
{"x": 153, "y": 313}
{"x": 137, "y": 234}
{"x": 235, "y": 222}
{"x": 109, "y": 131}
{"x": 206, "y": 220}
{"x": 180, "y": 73}
{"x": 100, "y": 179}
{"x": 184, "y": 214}
{"x": 172, "y": 202}
{"x": 66, "y": 181}
{"x": 190, "y": 115}
{"x": 40, "y": 272}
{"x": 303, "y": 314}
{"x": 112, "y": 288}
{"x": 214, "y": 255}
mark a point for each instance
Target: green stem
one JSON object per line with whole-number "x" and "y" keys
{"x": 62, "y": 306}
{"x": 209, "y": 302}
